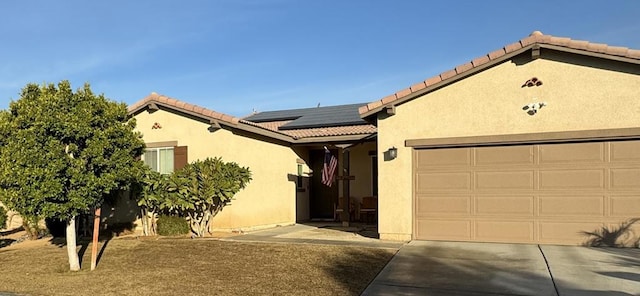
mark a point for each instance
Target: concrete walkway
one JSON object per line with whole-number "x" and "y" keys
{"x": 318, "y": 233}
{"x": 452, "y": 268}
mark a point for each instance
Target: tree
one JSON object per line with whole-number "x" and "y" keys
{"x": 3, "y": 218}
{"x": 62, "y": 152}
{"x": 198, "y": 192}
{"x": 204, "y": 187}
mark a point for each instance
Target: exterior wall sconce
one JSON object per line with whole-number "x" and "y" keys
{"x": 393, "y": 152}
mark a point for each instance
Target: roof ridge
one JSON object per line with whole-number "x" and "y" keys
{"x": 536, "y": 37}
{"x": 182, "y": 106}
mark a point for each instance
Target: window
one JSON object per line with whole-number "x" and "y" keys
{"x": 159, "y": 159}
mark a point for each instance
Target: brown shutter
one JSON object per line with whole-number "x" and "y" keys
{"x": 179, "y": 157}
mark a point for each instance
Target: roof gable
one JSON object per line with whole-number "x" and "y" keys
{"x": 154, "y": 100}
{"x": 533, "y": 43}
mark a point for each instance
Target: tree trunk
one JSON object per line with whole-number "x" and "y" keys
{"x": 74, "y": 261}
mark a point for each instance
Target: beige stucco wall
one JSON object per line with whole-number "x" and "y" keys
{"x": 13, "y": 219}
{"x": 269, "y": 199}
{"x": 360, "y": 167}
{"x": 581, "y": 94}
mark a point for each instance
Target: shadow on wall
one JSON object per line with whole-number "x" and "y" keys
{"x": 618, "y": 236}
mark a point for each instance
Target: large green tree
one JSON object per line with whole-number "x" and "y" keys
{"x": 62, "y": 152}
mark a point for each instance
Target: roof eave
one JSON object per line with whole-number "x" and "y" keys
{"x": 332, "y": 139}
{"x": 442, "y": 81}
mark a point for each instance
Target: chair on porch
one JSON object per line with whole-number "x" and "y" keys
{"x": 339, "y": 208}
{"x": 369, "y": 208}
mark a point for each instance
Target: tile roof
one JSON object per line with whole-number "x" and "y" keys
{"x": 535, "y": 38}
{"x": 272, "y": 129}
{"x": 155, "y": 98}
{"x": 302, "y": 133}
{"x": 340, "y": 115}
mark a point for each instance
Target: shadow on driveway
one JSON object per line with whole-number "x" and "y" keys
{"x": 452, "y": 268}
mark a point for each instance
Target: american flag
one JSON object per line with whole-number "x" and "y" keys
{"x": 329, "y": 168}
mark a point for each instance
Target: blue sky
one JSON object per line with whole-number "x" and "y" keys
{"x": 238, "y": 56}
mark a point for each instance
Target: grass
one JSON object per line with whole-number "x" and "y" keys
{"x": 193, "y": 267}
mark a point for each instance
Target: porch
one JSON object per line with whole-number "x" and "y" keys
{"x": 356, "y": 176}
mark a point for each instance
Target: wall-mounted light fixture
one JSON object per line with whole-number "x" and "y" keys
{"x": 393, "y": 152}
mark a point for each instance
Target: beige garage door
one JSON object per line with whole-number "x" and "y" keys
{"x": 548, "y": 194}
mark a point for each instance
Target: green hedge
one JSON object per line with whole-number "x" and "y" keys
{"x": 3, "y": 218}
{"x": 172, "y": 225}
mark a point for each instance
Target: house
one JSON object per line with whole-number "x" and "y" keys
{"x": 285, "y": 151}
{"x": 536, "y": 142}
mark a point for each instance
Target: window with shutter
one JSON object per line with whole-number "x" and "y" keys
{"x": 165, "y": 160}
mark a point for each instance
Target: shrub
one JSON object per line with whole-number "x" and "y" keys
{"x": 172, "y": 225}
{"x": 3, "y": 218}
{"x": 56, "y": 227}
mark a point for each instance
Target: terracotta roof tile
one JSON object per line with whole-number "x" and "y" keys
{"x": 375, "y": 104}
{"x": 512, "y": 47}
{"x": 401, "y": 93}
{"x": 562, "y": 41}
{"x": 633, "y": 53}
{"x": 531, "y": 39}
{"x": 225, "y": 117}
{"x": 388, "y": 98}
{"x": 464, "y": 67}
{"x": 363, "y": 109}
{"x": 535, "y": 37}
{"x": 617, "y": 50}
{"x": 480, "y": 61}
{"x": 418, "y": 86}
{"x": 496, "y": 54}
{"x": 433, "y": 80}
{"x": 363, "y": 129}
{"x": 597, "y": 47}
{"x": 448, "y": 74}
{"x": 578, "y": 44}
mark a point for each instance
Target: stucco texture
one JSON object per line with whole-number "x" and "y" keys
{"x": 269, "y": 199}
{"x": 581, "y": 94}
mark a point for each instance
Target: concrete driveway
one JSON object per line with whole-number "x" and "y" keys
{"x": 453, "y": 268}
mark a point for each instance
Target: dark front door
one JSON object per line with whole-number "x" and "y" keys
{"x": 322, "y": 197}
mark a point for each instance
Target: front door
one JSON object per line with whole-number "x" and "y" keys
{"x": 322, "y": 197}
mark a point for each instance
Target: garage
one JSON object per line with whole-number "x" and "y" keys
{"x": 536, "y": 192}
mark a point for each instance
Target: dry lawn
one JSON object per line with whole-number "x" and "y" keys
{"x": 192, "y": 267}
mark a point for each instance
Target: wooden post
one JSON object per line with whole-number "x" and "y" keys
{"x": 346, "y": 192}
{"x": 94, "y": 245}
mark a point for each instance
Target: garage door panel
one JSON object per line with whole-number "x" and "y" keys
{"x": 622, "y": 179}
{"x": 444, "y": 229}
{"x": 567, "y": 232}
{"x": 625, "y": 151}
{"x": 504, "y": 180}
{"x": 507, "y": 155}
{"x": 443, "y": 181}
{"x": 550, "y": 193}
{"x": 625, "y": 205}
{"x": 443, "y": 205}
{"x": 505, "y": 231}
{"x": 572, "y": 153}
{"x": 444, "y": 157}
{"x": 571, "y": 179}
{"x": 565, "y": 205}
{"x": 522, "y": 206}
